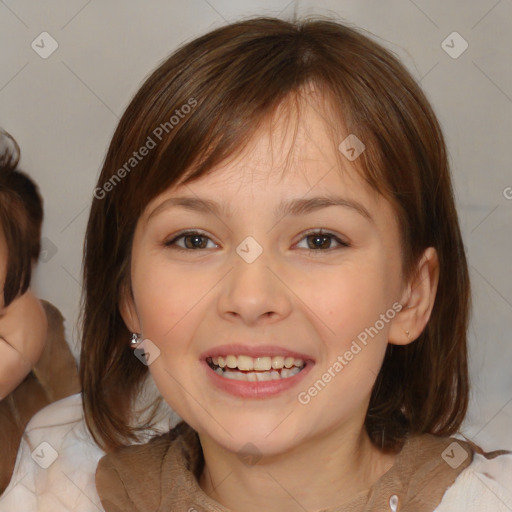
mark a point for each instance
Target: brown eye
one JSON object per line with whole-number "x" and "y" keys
{"x": 320, "y": 241}
{"x": 192, "y": 239}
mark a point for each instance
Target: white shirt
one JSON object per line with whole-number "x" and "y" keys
{"x": 56, "y": 466}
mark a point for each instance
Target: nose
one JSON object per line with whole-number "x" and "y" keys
{"x": 254, "y": 291}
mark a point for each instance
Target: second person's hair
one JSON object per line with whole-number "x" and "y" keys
{"x": 21, "y": 217}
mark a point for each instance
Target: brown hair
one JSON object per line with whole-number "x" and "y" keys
{"x": 236, "y": 77}
{"x": 21, "y": 218}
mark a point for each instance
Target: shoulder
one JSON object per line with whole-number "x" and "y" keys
{"x": 56, "y": 462}
{"x": 120, "y": 463}
{"x": 484, "y": 486}
{"x": 130, "y": 478}
{"x": 123, "y": 473}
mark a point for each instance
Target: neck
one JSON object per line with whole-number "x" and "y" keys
{"x": 336, "y": 465}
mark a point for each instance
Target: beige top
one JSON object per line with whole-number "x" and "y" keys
{"x": 163, "y": 474}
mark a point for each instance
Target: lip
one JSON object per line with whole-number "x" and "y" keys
{"x": 263, "y": 389}
{"x": 254, "y": 351}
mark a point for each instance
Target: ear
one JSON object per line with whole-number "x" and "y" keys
{"x": 128, "y": 311}
{"x": 417, "y": 301}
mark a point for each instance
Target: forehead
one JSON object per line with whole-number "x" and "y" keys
{"x": 288, "y": 159}
{"x": 293, "y": 153}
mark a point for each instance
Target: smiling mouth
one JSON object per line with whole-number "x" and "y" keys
{"x": 258, "y": 369}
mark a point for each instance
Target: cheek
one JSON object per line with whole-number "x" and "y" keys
{"x": 159, "y": 299}
{"x": 355, "y": 342}
{"x": 168, "y": 300}
{"x": 356, "y": 312}
{"x": 350, "y": 299}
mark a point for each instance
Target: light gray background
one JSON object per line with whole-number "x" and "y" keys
{"x": 63, "y": 111}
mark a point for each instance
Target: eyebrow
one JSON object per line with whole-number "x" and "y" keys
{"x": 294, "y": 207}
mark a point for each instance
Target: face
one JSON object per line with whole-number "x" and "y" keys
{"x": 23, "y": 331}
{"x": 261, "y": 276}
{"x": 13, "y": 366}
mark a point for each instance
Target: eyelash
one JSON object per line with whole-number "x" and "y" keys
{"x": 319, "y": 233}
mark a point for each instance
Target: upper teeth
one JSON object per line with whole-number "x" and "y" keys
{"x": 257, "y": 363}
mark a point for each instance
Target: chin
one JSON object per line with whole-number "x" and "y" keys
{"x": 253, "y": 436}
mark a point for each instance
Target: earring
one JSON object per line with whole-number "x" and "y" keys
{"x": 408, "y": 335}
{"x": 135, "y": 339}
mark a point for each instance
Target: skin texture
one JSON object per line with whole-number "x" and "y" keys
{"x": 23, "y": 331}
{"x": 315, "y": 302}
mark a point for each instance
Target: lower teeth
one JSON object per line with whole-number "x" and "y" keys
{"x": 258, "y": 376}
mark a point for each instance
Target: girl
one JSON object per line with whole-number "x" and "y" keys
{"x": 274, "y": 239}
{"x": 36, "y": 365}
{"x": 23, "y": 322}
